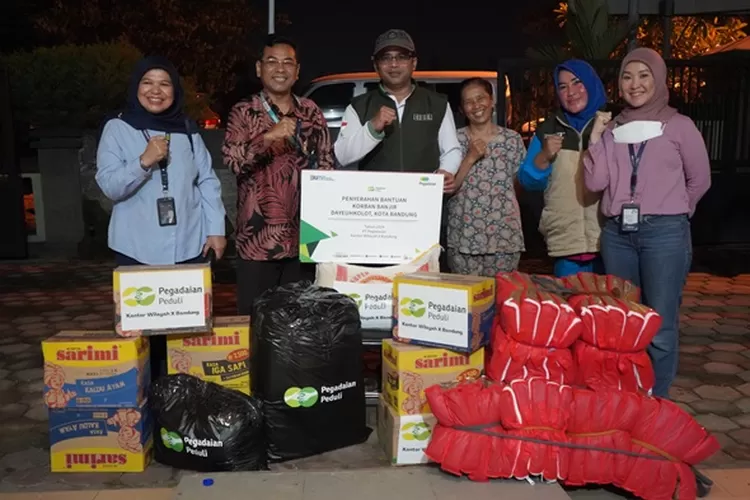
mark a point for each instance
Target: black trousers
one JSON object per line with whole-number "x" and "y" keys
{"x": 255, "y": 277}
{"x": 158, "y": 342}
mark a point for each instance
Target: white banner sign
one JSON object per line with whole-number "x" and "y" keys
{"x": 368, "y": 217}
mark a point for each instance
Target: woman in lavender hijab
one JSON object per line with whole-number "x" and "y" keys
{"x": 652, "y": 166}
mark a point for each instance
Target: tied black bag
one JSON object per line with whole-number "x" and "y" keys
{"x": 203, "y": 427}
{"x": 307, "y": 370}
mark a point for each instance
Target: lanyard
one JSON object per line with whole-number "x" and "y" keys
{"x": 162, "y": 164}
{"x": 311, "y": 157}
{"x": 635, "y": 162}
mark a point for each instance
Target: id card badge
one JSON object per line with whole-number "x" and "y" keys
{"x": 166, "y": 210}
{"x": 630, "y": 218}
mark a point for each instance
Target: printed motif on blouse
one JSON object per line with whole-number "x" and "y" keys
{"x": 484, "y": 216}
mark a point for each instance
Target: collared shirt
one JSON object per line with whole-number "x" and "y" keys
{"x": 355, "y": 141}
{"x": 268, "y": 180}
{"x": 134, "y": 226}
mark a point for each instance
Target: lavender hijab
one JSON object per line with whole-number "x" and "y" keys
{"x": 658, "y": 108}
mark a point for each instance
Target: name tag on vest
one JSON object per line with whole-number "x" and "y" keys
{"x": 422, "y": 117}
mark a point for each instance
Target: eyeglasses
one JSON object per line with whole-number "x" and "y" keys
{"x": 394, "y": 58}
{"x": 287, "y": 64}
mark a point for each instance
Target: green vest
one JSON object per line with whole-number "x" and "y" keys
{"x": 410, "y": 145}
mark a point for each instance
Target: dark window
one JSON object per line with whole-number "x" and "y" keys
{"x": 333, "y": 96}
{"x": 453, "y": 92}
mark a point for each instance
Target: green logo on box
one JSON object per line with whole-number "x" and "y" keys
{"x": 143, "y": 296}
{"x": 357, "y": 298}
{"x": 416, "y": 431}
{"x": 412, "y": 307}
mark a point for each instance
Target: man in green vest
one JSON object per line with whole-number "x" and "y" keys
{"x": 400, "y": 126}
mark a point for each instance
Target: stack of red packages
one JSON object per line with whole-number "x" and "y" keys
{"x": 469, "y": 440}
{"x": 537, "y": 428}
{"x": 611, "y": 352}
{"x": 533, "y": 331}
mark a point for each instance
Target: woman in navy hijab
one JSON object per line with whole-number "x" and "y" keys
{"x": 154, "y": 166}
{"x": 570, "y": 218}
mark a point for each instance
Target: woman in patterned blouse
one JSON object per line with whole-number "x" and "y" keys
{"x": 484, "y": 220}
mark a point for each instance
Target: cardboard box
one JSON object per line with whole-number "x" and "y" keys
{"x": 100, "y": 440}
{"x": 95, "y": 369}
{"x": 222, "y": 357}
{"x": 443, "y": 310}
{"x": 408, "y": 370}
{"x": 162, "y": 300}
{"x": 404, "y": 437}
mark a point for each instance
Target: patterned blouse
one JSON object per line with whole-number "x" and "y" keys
{"x": 484, "y": 216}
{"x": 268, "y": 188}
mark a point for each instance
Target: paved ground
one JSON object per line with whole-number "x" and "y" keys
{"x": 414, "y": 483}
{"x": 36, "y": 300}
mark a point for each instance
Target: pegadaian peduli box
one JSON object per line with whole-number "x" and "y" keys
{"x": 443, "y": 310}
{"x": 163, "y": 300}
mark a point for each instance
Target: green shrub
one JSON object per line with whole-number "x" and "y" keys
{"x": 75, "y": 86}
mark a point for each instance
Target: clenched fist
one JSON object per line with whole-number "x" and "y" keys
{"x": 386, "y": 115}
{"x": 286, "y": 127}
{"x": 552, "y": 145}
{"x": 477, "y": 150}
{"x": 156, "y": 150}
{"x": 600, "y": 125}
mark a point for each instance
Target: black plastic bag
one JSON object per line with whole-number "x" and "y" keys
{"x": 307, "y": 369}
{"x": 204, "y": 427}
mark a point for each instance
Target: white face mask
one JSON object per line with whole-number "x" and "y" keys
{"x": 637, "y": 131}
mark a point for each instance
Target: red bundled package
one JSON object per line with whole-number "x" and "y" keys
{"x": 473, "y": 405}
{"x": 603, "y": 284}
{"x": 507, "y": 283}
{"x": 600, "y": 420}
{"x": 510, "y": 360}
{"x": 540, "y": 428}
{"x": 615, "y": 324}
{"x": 537, "y": 409}
{"x": 665, "y": 430}
{"x": 539, "y": 319}
{"x": 611, "y": 352}
{"x": 598, "y": 369}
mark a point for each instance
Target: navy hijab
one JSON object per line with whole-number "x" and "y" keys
{"x": 171, "y": 120}
{"x": 594, "y": 88}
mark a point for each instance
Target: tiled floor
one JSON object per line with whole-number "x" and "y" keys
{"x": 730, "y": 484}
{"x": 36, "y": 300}
{"x": 139, "y": 494}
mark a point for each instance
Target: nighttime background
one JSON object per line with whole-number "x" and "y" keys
{"x": 334, "y": 35}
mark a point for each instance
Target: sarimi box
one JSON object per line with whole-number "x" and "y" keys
{"x": 443, "y": 310}
{"x": 162, "y": 300}
{"x": 221, "y": 357}
{"x": 100, "y": 440}
{"x": 95, "y": 369}
{"x": 408, "y": 370}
